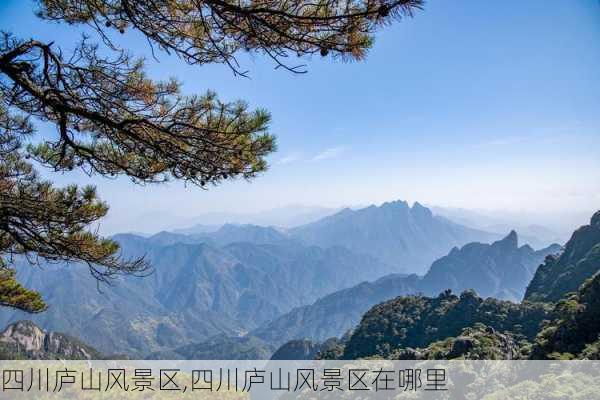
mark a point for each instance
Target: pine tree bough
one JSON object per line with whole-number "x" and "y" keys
{"x": 209, "y": 31}
{"x": 112, "y": 120}
{"x": 12, "y": 294}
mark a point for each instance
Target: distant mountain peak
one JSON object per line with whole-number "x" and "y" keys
{"x": 408, "y": 238}
{"x": 400, "y": 204}
{"x": 529, "y": 248}
{"x": 595, "y": 221}
{"x": 343, "y": 211}
{"x": 418, "y": 205}
{"x": 512, "y": 238}
{"x": 235, "y": 227}
{"x": 510, "y": 241}
{"x": 455, "y": 251}
{"x": 420, "y": 210}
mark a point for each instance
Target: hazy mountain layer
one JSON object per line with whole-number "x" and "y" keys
{"x": 242, "y": 278}
{"x": 501, "y": 269}
{"x": 409, "y": 238}
{"x": 336, "y": 313}
{"x": 447, "y": 326}
{"x": 196, "y": 291}
{"x": 285, "y": 217}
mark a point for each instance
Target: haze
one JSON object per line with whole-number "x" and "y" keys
{"x": 472, "y": 105}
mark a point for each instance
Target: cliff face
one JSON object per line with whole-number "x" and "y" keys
{"x": 25, "y": 340}
{"x": 565, "y": 273}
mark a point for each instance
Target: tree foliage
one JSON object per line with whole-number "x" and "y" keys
{"x": 575, "y": 331}
{"x": 13, "y": 294}
{"x": 477, "y": 342}
{"x": 419, "y": 321}
{"x": 209, "y": 31}
{"x": 111, "y": 119}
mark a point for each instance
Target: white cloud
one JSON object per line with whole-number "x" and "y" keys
{"x": 535, "y": 138}
{"x": 506, "y": 141}
{"x": 290, "y": 158}
{"x": 329, "y": 154}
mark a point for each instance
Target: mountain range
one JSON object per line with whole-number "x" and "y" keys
{"x": 148, "y": 223}
{"x": 559, "y": 318}
{"x": 501, "y": 269}
{"x": 410, "y": 238}
{"x": 537, "y": 228}
{"x": 197, "y": 291}
{"x": 211, "y": 288}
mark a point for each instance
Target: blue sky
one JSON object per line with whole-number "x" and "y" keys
{"x": 488, "y": 105}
